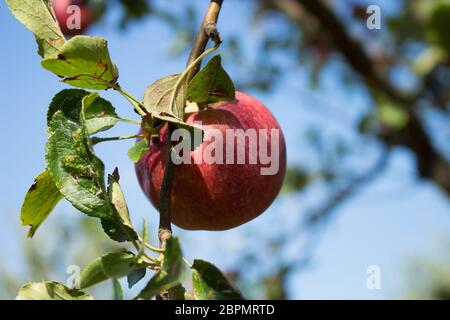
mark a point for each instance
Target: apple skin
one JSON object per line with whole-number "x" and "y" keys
{"x": 216, "y": 196}
{"x": 60, "y": 9}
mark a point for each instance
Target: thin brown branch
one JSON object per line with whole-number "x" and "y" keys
{"x": 208, "y": 30}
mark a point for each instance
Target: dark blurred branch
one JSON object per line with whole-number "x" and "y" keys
{"x": 430, "y": 163}
{"x": 343, "y": 194}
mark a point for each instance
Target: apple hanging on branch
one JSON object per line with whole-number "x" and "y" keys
{"x": 230, "y": 178}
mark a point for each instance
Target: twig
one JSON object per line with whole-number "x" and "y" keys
{"x": 207, "y": 30}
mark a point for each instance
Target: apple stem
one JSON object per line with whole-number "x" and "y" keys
{"x": 208, "y": 30}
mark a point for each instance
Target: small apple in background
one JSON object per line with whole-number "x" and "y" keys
{"x": 74, "y": 16}
{"x": 217, "y": 196}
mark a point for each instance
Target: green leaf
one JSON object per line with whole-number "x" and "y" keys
{"x": 50, "y": 290}
{"x": 157, "y": 101}
{"x": 119, "y": 264}
{"x": 118, "y": 292}
{"x": 157, "y": 97}
{"x": 37, "y": 17}
{"x": 112, "y": 265}
{"x": 138, "y": 150}
{"x": 40, "y": 200}
{"x": 170, "y": 274}
{"x": 135, "y": 277}
{"x": 211, "y": 284}
{"x": 84, "y": 62}
{"x": 212, "y": 84}
{"x": 73, "y": 166}
{"x": 99, "y": 113}
{"x": 120, "y": 209}
{"x": 92, "y": 274}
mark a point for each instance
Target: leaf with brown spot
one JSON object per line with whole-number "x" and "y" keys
{"x": 40, "y": 200}
{"x": 86, "y": 63}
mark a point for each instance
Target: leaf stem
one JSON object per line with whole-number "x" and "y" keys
{"x": 96, "y": 140}
{"x": 138, "y": 105}
{"x": 187, "y": 263}
{"x": 130, "y": 121}
{"x": 152, "y": 248}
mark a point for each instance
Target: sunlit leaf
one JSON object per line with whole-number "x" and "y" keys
{"x": 120, "y": 208}
{"x": 113, "y": 265}
{"x": 211, "y": 84}
{"x": 39, "y": 202}
{"x": 50, "y": 290}
{"x": 100, "y": 115}
{"x": 73, "y": 166}
{"x": 84, "y": 62}
{"x": 157, "y": 97}
{"x": 36, "y": 16}
{"x": 138, "y": 150}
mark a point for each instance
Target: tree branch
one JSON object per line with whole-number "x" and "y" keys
{"x": 430, "y": 163}
{"x": 208, "y": 30}
{"x": 352, "y": 187}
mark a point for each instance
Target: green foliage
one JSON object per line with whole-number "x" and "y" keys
{"x": 170, "y": 274}
{"x": 100, "y": 115}
{"x": 76, "y": 173}
{"x": 158, "y": 97}
{"x": 120, "y": 210}
{"x": 211, "y": 284}
{"x": 138, "y": 150}
{"x": 92, "y": 274}
{"x": 50, "y": 290}
{"x": 84, "y": 62}
{"x": 211, "y": 84}
{"x": 113, "y": 265}
{"x": 35, "y": 15}
{"x": 39, "y": 202}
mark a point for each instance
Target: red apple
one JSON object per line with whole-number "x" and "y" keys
{"x": 74, "y": 16}
{"x": 220, "y": 196}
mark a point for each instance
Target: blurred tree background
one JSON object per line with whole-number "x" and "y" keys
{"x": 319, "y": 36}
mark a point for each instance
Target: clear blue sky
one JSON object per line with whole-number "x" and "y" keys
{"x": 393, "y": 220}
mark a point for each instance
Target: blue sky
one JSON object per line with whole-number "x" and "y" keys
{"x": 393, "y": 220}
